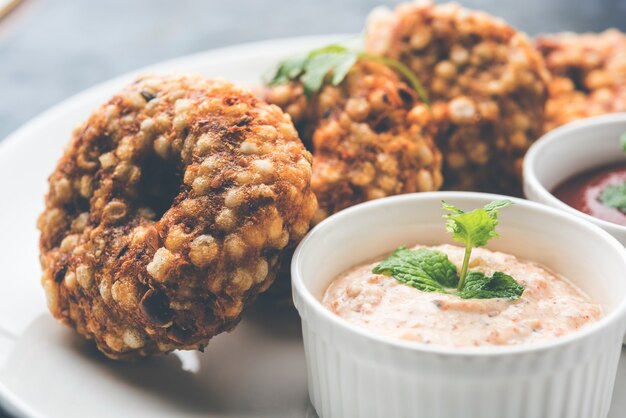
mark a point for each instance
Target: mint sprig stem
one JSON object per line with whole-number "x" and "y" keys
{"x": 464, "y": 267}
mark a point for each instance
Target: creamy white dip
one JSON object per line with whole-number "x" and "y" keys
{"x": 549, "y": 307}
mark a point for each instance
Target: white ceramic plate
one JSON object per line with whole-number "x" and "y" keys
{"x": 258, "y": 370}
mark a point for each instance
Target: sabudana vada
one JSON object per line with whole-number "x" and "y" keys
{"x": 168, "y": 212}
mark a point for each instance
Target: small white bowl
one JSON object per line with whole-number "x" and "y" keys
{"x": 353, "y": 372}
{"x": 570, "y": 150}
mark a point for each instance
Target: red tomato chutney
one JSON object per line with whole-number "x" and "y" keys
{"x": 582, "y": 192}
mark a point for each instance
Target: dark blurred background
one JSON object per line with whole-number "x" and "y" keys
{"x": 52, "y": 49}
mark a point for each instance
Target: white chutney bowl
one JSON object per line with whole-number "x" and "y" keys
{"x": 570, "y": 150}
{"x": 353, "y": 372}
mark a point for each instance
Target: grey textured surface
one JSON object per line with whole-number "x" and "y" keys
{"x": 50, "y": 50}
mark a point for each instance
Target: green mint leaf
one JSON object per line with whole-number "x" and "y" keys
{"x": 447, "y": 206}
{"x": 314, "y": 68}
{"x": 492, "y": 208}
{"x": 474, "y": 228}
{"x": 341, "y": 70}
{"x": 499, "y": 285}
{"x": 424, "y": 269}
{"x": 329, "y": 49}
{"x": 320, "y": 65}
{"x": 289, "y": 69}
{"x": 614, "y": 196}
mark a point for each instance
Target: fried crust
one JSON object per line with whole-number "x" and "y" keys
{"x": 588, "y": 74}
{"x": 168, "y": 212}
{"x": 487, "y": 85}
{"x": 370, "y": 137}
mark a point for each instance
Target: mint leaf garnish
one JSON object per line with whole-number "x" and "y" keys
{"x": 289, "y": 69}
{"x": 614, "y": 196}
{"x": 474, "y": 229}
{"x": 424, "y": 269}
{"x": 431, "y": 270}
{"x": 499, "y": 285}
{"x": 333, "y": 59}
{"x": 314, "y": 69}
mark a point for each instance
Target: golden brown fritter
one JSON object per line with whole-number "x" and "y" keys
{"x": 168, "y": 212}
{"x": 487, "y": 85}
{"x": 370, "y": 137}
{"x": 588, "y": 75}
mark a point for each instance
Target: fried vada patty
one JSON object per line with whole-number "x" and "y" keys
{"x": 487, "y": 84}
{"x": 168, "y": 212}
{"x": 588, "y": 74}
{"x": 370, "y": 137}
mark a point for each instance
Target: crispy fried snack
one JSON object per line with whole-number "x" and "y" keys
{"x": 487, "y": 85}
{"x": 370, "y": 137}
{"x": 588, "y": 74}
{"x": 168, "y": 212}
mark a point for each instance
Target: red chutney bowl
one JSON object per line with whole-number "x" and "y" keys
{"x": 586, "y": 155}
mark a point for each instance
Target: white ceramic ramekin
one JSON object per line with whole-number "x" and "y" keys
{"x": 569, "y": 150}
{"x": 353, "y": 372}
